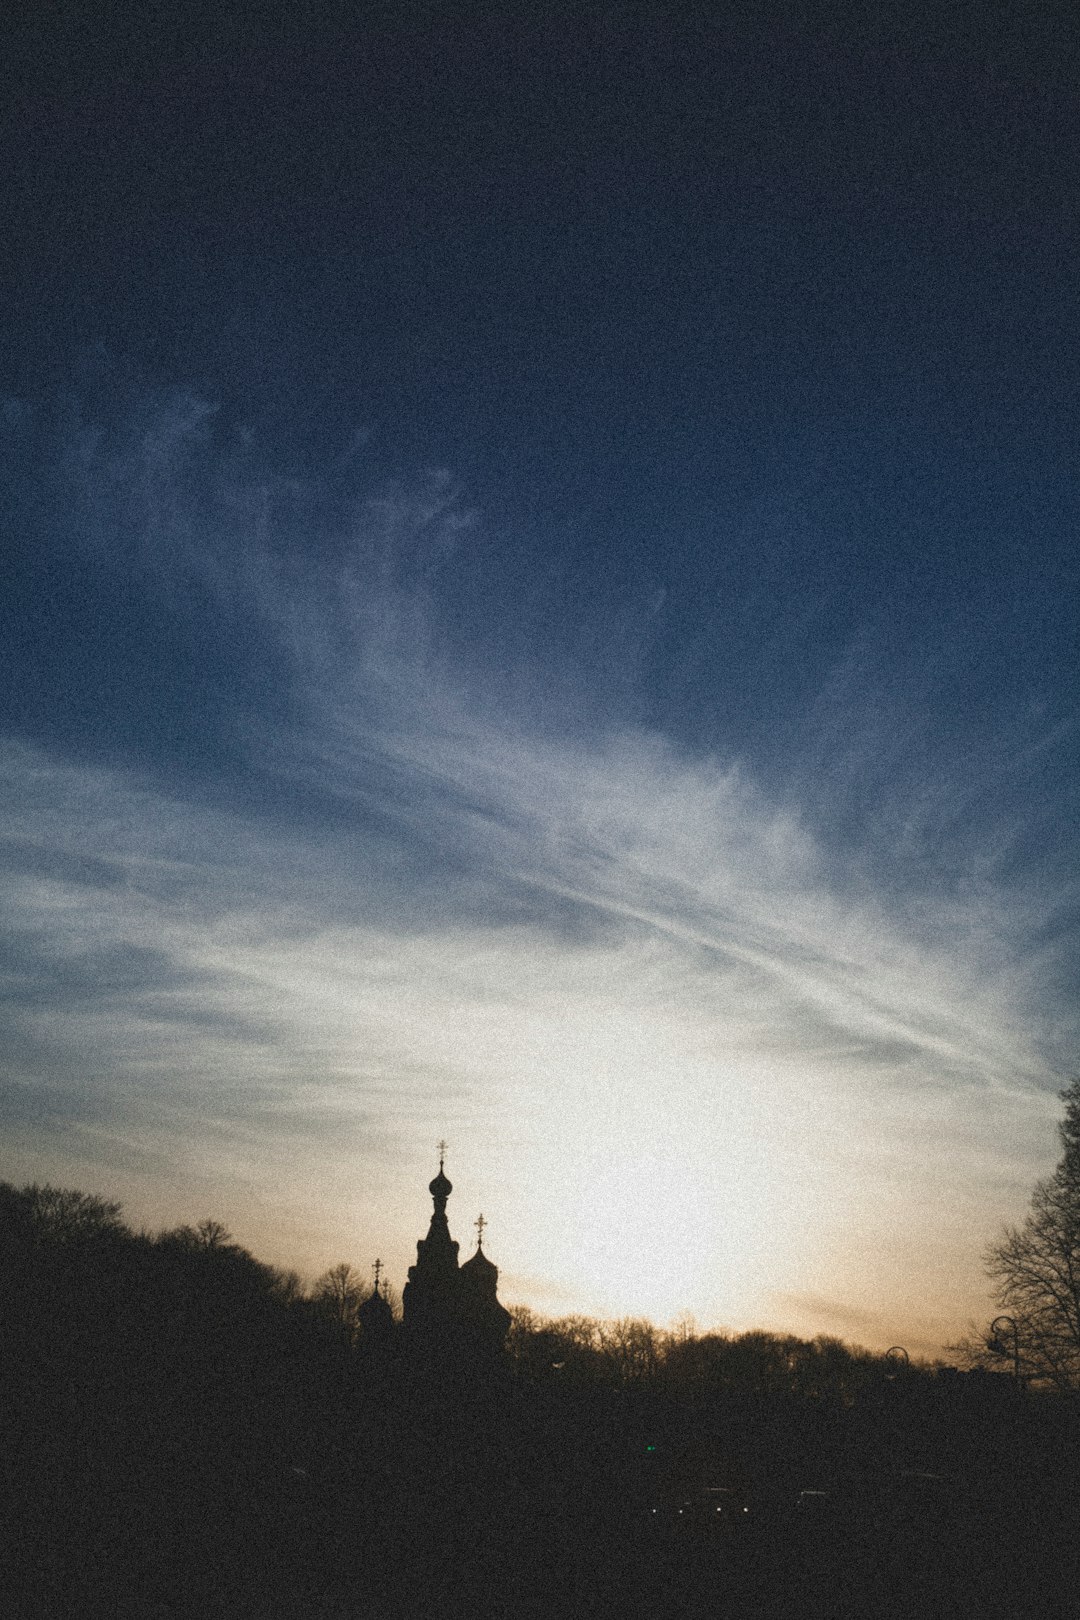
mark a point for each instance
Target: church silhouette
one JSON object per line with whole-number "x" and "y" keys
{"x": 452, "y": 1315}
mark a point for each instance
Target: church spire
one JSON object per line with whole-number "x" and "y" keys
{"x": 441, "y": 1188}
{"x": 452, "y": 1313}
{"x": 374, "y": 1314}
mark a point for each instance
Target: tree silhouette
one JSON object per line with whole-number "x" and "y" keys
{"x": 56, "y": 1216}
{"x": 1035, "y": 1267}
{"x": 337, "y": 1295}
{"x": 632, "y": 1348}
{"x": 185, "y": 1432}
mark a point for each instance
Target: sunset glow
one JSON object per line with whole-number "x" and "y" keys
{"x": 542, "y": 613}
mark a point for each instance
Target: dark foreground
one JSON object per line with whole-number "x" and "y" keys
{"x": 183, "y": 1432}
{"x": 523, "y": 1504}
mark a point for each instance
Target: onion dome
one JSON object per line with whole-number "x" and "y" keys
{"x": 478, "y": 1275}
{"x": 441, "y": 1188}
{"x": 375, "y": 1317}
{"x": 479, "y": 1267}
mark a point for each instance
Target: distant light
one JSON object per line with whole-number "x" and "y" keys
{"x": 650, "y": 1448}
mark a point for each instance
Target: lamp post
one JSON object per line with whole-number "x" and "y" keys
{"x": 996, "y": 1343}
{"x": 896, "y": 1359}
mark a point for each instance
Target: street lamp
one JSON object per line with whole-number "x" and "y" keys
{"x": 996, "y": 1342}
{"x": 896, "y": 1359}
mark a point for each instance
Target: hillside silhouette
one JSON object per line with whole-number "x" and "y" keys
{"x": 188, "y": 1431}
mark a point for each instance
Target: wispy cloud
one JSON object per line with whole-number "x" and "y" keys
{"x": 691, "y": 1025}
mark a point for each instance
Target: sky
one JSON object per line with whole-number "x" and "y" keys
{"x": 541, "y": 585}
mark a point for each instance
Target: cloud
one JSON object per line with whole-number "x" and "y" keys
{"x": 687, "y": 1018}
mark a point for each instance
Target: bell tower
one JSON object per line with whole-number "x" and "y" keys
{"x": 430, "y": 1296}
{"x": 452, "y": 1314}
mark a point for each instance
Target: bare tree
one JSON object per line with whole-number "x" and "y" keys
{"x": 337, "y": 1294}
{"x": 632, "y": 1348}
{"x": 58, "y": 1216}
{"x": 1035, "y": 1267}
{"x": 207, "y": 1236}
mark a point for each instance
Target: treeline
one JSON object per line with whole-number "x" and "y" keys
{"x": 187, "y": 1431}
{"x": 163, "y": 1399}
{"x": 82, "y": 1296}
{"x": 633, "y": 1352}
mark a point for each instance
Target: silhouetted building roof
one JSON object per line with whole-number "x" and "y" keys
{"x": 441, "y": 1188}
{"x": 375, "y": 1317}
{"x": 480, "y": 1271}
{"x": 452, "y": 1313}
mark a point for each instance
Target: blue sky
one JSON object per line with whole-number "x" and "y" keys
{"x": 542, "y": 584}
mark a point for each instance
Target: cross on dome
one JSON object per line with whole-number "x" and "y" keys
{"x": 377, "y": 1269}
{"x": 451, "y": 1310}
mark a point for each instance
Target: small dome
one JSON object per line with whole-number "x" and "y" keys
{"x": 441, "y": 1187}
{"x": 375, "y": 1315}
{"x": 479, "y": 1263}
